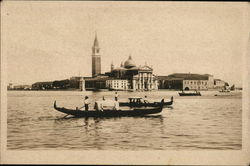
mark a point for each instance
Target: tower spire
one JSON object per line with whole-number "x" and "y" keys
{"x": 96, "y": 43}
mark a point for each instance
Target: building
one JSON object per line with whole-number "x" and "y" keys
{"x": 168, "y": 82}
{"x": 96, "y": 58}
{"x": 219, "y": 84}
{"x": 95, "y": 83}
{"x": 42, "y": 85}
{"x": 75, "y": 82}
{"x": 186, "y": 81}
{"x": 117, "y": 84}
{"x": 138, "y": 77}
{"x": 58, "y": 84}
{"x": 126, "y": 77}
{"x": 21, "y": 87}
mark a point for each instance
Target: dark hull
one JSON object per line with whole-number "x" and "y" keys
{"x": 224, "y": 91}
{"x": 155, "y": 104}
{"x": 110, "y": 113}
{"x": 189, "y": 94}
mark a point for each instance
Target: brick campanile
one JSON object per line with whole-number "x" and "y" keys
{"x": 96, "y": 58}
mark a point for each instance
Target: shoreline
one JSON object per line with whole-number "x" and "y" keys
{"x": 106, "y": 90}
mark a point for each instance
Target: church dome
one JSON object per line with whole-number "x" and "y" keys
{"x": 129, "y": 63}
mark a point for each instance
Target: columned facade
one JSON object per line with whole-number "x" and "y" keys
{"x": 144, "y": 80}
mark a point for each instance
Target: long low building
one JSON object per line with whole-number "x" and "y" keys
{"x": 95, "y": 83}
{"x": 186, "y": 81}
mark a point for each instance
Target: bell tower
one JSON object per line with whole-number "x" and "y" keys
{"x": 96, "y": 58}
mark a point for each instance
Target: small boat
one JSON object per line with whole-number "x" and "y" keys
{"x": 225, "y": 94}
{"x": 224, "y": 91}
{"x": 123, "y": 111}
{"x": 232, "y": 87}
{"x": 196, "y": 93}
{"x": 138, "y": 102}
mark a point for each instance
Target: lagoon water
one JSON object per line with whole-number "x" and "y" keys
{"x": 204, "y": 122}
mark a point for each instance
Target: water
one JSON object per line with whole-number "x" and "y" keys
{"x": 200, "y": 122}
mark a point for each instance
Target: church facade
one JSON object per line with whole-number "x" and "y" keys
{"x": 127, "y": 76}
{"x": 137, "y": 77}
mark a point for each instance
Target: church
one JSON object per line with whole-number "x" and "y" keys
{"x": 127, "y": 76}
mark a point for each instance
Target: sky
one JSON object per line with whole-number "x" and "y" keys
{"x": 51, "y": 40}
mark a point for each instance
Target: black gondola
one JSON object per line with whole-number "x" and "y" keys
{"x": 190, "y": 93}
{"x": 137, "y": 102}
{"x": 123, "y": 111}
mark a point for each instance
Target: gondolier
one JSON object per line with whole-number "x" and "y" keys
{"x": 116, "y": 96}
{"x": 86, "y": 103}
{"x": 145, "y": 99}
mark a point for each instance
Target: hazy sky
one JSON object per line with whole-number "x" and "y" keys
{"x": 46, "y": 41}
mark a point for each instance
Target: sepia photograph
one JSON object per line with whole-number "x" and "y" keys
{"x": 124, "y": 82}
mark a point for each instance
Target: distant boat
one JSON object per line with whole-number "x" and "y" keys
{"x": 223, "y": 94}
{"x": 122, "y": 111}
{"x": 226, "y": 89}
{"x": 196, "y": 93}
{"x": 232, "y": 87}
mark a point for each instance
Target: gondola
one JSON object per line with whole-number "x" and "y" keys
{"x": 189, "y": 94}
{"x": 123, "y": 111}
{"x": 137, "y": 102}
{"x": 224, "y": 91}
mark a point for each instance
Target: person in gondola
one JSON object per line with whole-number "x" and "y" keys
{"x": 116, "y": 105}
{"x": 86, "y": 103}
{"x": 101, "y": 107}
{"x": 116, "y": 96}
{"x": 145, "y": 99}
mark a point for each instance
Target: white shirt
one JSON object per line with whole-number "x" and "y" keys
{"x": 86, "y": 101}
